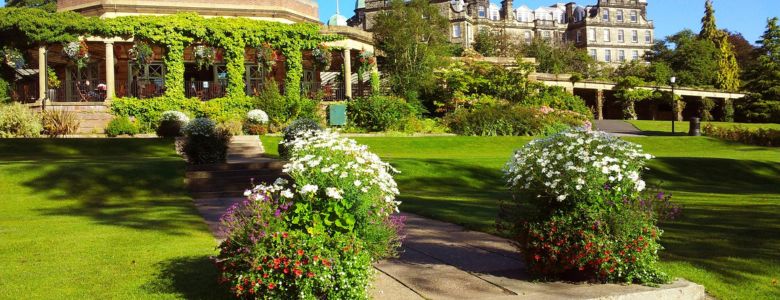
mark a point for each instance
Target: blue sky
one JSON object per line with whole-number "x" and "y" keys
{"x": 670, "y": 16}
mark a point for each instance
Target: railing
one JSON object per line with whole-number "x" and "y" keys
{"x": 205, "y": 90}
{"x": 145, "y": 89}
{"x": 84, "y": 91}
{"x": 25, "y": 92}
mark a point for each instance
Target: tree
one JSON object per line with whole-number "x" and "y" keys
{"x": 47, "y": 5}
{"x": 729, "y": 71}
{"x": 558, "y": 58}
{"x": 486, "y": 42}
{"x": 709, "y": 29}
{"x": 743, "y": 50}
{"x": 413, "y": 37}
{"x": 629, "y": 92}
{"x": 765, "y": 76}
{"x": 693, "y": 60}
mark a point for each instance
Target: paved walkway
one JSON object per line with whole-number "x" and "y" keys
{"x": 444, "y": 261}
{"x": 618, "y": 128}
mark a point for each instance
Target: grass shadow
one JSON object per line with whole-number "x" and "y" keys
{"x": 188, "y": 277}
{"x": 716, "y": 175}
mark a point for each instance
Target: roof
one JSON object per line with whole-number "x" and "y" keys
{"x": 337, "y": 20}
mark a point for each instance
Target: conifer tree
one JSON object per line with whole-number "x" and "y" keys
{"x": 709, "y": 29}
{"x": 728, "y": 67}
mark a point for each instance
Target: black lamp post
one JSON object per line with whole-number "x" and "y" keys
{"x": 673, "y": 80}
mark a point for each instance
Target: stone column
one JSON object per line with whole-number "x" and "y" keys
{"x": 110, "y": 71}
{"x": 600, "y": 104}
{"x": 348, "y": 73}
{"x": 42, "y": 73}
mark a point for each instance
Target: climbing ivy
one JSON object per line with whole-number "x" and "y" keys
{"x": 174, "y": 33}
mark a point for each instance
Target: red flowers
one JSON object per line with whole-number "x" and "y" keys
{"x": 298, "y": 272}
{"x": 271, "y": 286}
{"x": 310, "y": 274}
{"x": 300, "y": 252}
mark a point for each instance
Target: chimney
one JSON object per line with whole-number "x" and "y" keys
{"x": 506, "y": 10}
{"x": 570, "y": 12}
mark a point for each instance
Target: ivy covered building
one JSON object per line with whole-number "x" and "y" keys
{"x": 90, "y": 52}
{"x": 611, "y": 31}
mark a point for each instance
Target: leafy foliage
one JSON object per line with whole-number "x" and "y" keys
{"x": 511, "y": 120}
{"x": 413, "y": 35}
{"x": 557, "y": 58}
{"x": 694, "y": 61}
{"x": 380, "y": 113}
{"x": 204, "y": 142}
{"x": 758, "y": 137}
{"x": 121, "y": 125}
{"x": 627, "y": 90}
{"x": 16, "y": 120}
{"x": 57, "y": 123}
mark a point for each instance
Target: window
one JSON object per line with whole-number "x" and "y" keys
{"x": 593, "y": 53}
{"x": 607, "y": 55}
{"x": 622, "y": 55}
{"x": 592, "y": 35}
{"x": 648, "y": 37}
{"x": 579, "y": 36}
{"x": 635, "y": 55}
{"x": 605, "y": 15}
{"x": 607, "y": 35}
{"x": 546, "y": 35}
{"x": 481, "y": 12}
{"x": 621, "y": 36}
{"x": 456, "y": 30}
{"x": 528, "y": 37}
{"x": 635, "y": 36}
{"x": 619, "y": 15}
{"x": 634, "y": 17}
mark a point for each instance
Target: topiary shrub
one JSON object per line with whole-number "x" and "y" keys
{"x": 379, "y": 113}
{"x": 204, "y": 142}
{"x": 16, "y": 120}
{"x": 172, "y": 124}
{"x": 580, "y": 210}
{"x": 57, "y": 123}
{"x": 317, "y": 238}
{"x": 292, "y": 131}
{"x": 121, "y": 126}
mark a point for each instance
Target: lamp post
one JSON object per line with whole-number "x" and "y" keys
{"x": 673, "y": 80}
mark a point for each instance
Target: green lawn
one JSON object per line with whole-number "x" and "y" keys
{"x": 727, "y": 240}
{"x": 681, "y": 128}
{"x": 100, "y": 219}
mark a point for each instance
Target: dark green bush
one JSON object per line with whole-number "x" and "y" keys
{"x": 379, "y": 113}
{"x": 121, "y": 126}
{"x": 169, "y": 129}
{"x": 205, "y": 143}
{"x": 17, "y": 120}
{"x": 226, "y": 109}
{"x": 147, "y": 112}
{"x": 5, "y": 91}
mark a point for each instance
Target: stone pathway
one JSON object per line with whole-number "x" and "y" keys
{"x": 618, "y": 128}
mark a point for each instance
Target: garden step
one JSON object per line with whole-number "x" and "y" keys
{"x": 233, "y": 173}
{"x": 259, "y": 164}
{"x": 214, "y": 184}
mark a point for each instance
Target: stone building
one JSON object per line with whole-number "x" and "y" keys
{"x": 611, "y": 31}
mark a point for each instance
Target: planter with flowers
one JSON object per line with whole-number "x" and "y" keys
{"x": 78, "y": 53}
{"x": 323, "y": 57}
{"x": 204, "y": 56}
{"x": 141, "y": 54}
{"x": 316, "y": 238}
{"x": 580, "y": 210}
{"x": 266, "y": 57}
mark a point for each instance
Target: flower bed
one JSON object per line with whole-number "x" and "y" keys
{"x": 758, "y": 137}
{"x": 317, "y": 237}
{"x": 580, "y": 210}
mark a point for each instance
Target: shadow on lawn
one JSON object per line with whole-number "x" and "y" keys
{"x": 716, "y": 175}
{"x": 190, "y": 277}
{"x": 146, "y": 195}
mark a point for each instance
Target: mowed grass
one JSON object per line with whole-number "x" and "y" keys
{"x": 681, "y": 128}
{"x": 100, "y": 219}
{"x": 728, "y": 238}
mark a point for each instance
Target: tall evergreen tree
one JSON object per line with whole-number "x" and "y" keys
{"x": 765, "y": 75}
{"x": 709, "y": 29}
{"x": 728, "y": 67}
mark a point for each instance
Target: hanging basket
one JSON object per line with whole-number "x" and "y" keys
{"x": 266, "y": 57}
{"x": 77, "y": 52}
{"x": 141, "y": 53}
{"x": 323, "y": 57}
{"x": 204, "y": 56}
{"x": 13, "y": 57}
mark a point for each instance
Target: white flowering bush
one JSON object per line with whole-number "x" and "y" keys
{"x": 201, "y": 127}
{"x": 579, "y": 209}
{"x": 172, "y": 124}
{"x": 174, "y": 116}
{"x": 578, "y": 165}
{"x": 257, "y": 116}
{"x": 316, "y": 235}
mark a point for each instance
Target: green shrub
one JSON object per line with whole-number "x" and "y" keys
{"x": 222, "y": 110}
{"x": 205, "y": 143}
{"x": 580, "y": 211}
{"x": 705, "y": 109}
{"x": 234, "y": 127}
{"x": 121, "y": 126}
{"x": 422, "y": 125}
{"x": 274, "y": 104}
{"x": 292, "y": 131}
{"x": 379, "y": 113}
{"x": 57, "y": 123}
{"x": 758, "y": 137}
{"x": 5, "y": 91}
{"x": 17, "y": 120}
{"x": 558, "y": 98}
{"x": 148, "y": 112}
{"x": 511, "y": 120}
